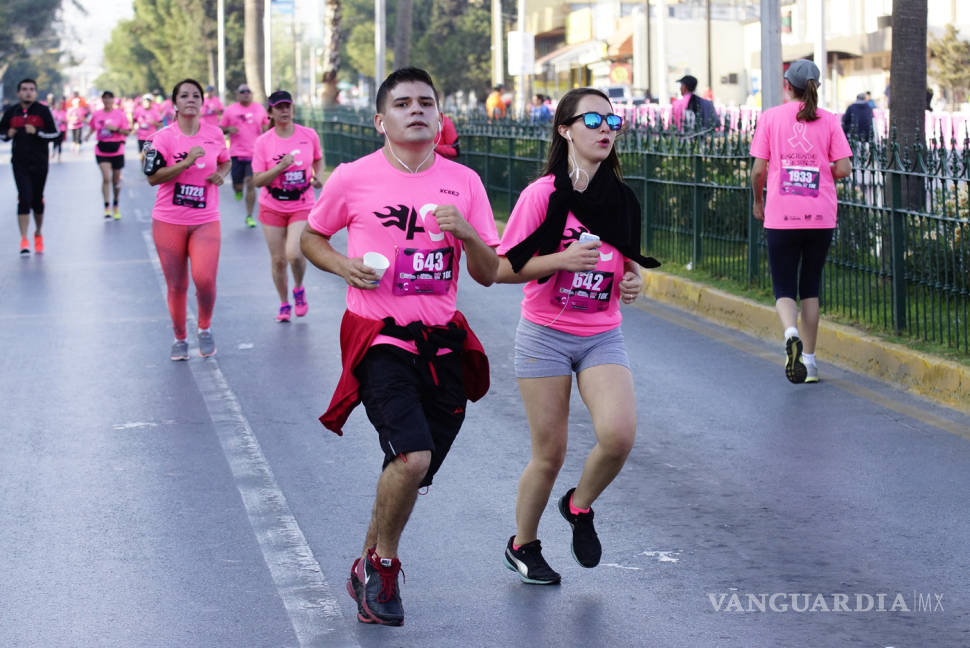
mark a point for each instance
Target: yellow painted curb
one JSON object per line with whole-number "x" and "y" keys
{"x": 942, "y": 380}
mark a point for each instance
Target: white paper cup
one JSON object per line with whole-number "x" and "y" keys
{"x": 376, "y": 262}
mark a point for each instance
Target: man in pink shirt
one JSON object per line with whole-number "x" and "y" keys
{"x": 211, "y": 107}
{"x": 416, "y": 212}
{"x": 243, "y": 122}
{"x": 147, "y": 118}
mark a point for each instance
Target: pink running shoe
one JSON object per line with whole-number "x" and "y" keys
{"x": 284, "y": 315}
{"x": 299, "y": 296}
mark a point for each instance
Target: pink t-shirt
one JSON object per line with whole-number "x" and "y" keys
{"x": 390, "y": 211}
{"x": 290, "y": 191}
{"x": 75, "y": 117}
{"x": 800, "y": 188}
{"x": 678, "y": 109}
{"x": 250, "y": 120}
{"x": 145, "y": 119}
{"x": 580, "y": 303}
{"x": 188, "y": 199}
{"x": 211, "y": 107}
{"x": 60, "y": 119}
{"x": 100, "y": 120}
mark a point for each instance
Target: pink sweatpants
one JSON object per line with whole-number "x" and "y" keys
{"x": 181, "y": 246}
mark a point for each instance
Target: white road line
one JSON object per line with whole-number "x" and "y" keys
{"x": 307, "y": 597}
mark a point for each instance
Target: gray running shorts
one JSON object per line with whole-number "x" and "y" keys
{"x": 543, "y": 352}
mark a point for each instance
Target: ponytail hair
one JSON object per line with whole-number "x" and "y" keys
{"x": 809, "y": 98}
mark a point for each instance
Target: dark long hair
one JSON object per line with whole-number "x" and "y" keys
{"x": 559, "y": 147}
{"x": 179, "y": 85}
{"x": 809, "y": 97}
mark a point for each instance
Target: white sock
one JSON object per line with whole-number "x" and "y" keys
{"x": 808, "y": 358}
{"x": 791, "y": 331}
{"x": 201, "y": 331}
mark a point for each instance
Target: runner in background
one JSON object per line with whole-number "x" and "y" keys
{"x": 111, "y": 126}
{"x": 404, "y": 343}
{"x": 243, "y": 122}
{"x": 148, "y": 119}
{"x": 31, "y": 127}
{"x": 60, "y": 120}
{"x": 286, "y": 164}
{"x": 188, "y": 162}
{"x": 211, "y": 107}
{"x": 447, "y": 139}
{"x": 76, "y": 116}
{"x": 799, "y": 151}
{"x": 573, "y": 239}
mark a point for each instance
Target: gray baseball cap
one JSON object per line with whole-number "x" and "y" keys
{"x": 800, "y": 71}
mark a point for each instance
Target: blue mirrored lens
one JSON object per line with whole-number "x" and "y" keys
{"x": 614, "y": 122}
{"x": 592, "y": 120}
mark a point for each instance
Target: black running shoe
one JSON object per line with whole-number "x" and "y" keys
{"x": 355, "y": 587}
{"x": 527, "y": 560}
{"x": 795, "y": 369}
{"x": 586, "y": 545}
{"x": 381, "y": 600}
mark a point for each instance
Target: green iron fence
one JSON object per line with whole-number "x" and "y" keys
{"x": 898, "y": 263}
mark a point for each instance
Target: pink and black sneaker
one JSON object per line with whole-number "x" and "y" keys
{"x": 299, "y": 298}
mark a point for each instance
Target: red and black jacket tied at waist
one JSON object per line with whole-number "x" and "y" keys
{"x": 357, "y": 333}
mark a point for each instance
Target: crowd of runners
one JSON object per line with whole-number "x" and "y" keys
{"x": 410, "y": 213}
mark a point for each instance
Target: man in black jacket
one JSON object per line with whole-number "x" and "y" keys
{"x": 857, "y": 119}
{"x": 31, "y": 127}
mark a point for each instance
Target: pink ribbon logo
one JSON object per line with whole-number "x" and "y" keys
{"x": 798, "y": 140}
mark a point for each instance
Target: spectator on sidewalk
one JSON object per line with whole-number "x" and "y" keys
{"x": 857, "y": 119}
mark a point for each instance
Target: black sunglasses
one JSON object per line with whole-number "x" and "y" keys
{"x": 595, "y": 120}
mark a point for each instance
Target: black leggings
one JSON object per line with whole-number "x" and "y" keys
{"x": 790, "y": 248}
{"x": 30, "y": 178}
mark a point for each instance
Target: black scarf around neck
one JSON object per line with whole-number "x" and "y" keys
{"x": 607, "y": 208}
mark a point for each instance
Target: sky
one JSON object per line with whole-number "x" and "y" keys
{"x": 89, "y": 33}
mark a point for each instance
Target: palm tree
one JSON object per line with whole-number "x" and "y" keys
{"x": 331, "y": 51}
{"x": 907, "y": 84}
{"x": 402, "y": 33}
{"x": 253, "y": 48}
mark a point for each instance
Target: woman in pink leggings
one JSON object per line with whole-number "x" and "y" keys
{"x": 188, "y": 161}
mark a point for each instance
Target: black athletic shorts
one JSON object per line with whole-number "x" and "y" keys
{"x": 410, "y": 412}
{"x": 240, "y": 170}
{"x": 116, "y": 161}
{"x": 796, "y": 258}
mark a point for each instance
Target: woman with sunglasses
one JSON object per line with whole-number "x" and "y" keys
{"x": 286, "y": 164}
{"x": 573, "y": 239}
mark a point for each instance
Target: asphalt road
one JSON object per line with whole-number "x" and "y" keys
{"x": 146, "y": 503}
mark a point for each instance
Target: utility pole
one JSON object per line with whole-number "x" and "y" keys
{"x": 710, "y": 67}
{"x": 498, "y": 62}
{"x": 380, "y": 40}
{"x": 821, "y": 57}
{"x": 221, "y": 49}
{"x": 770, "y": 54}
{"x": 268, "y": 47}
{"x": 663, "y": 90}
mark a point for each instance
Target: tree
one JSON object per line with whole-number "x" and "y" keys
{"x": 331, "y": 51}
{"x": 456, "y": 47}
{"x": 253, "y": 48}
{"x": 25, "y": 30}
{"x": 951, "y": 63}
{"x": 402, "y": 33}
{"x": 907, "y": 85}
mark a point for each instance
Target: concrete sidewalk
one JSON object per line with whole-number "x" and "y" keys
{"x": 944, "y": 381}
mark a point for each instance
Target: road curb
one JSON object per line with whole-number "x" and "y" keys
{"x": 942, "y": 380}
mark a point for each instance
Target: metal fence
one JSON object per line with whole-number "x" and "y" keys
{"x": 899, "y": 263}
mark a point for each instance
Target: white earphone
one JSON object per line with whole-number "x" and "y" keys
{"x": 569, "y": 136}
{"x": 380, "y": 128}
